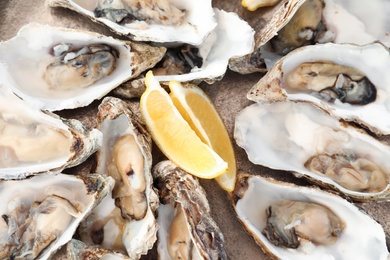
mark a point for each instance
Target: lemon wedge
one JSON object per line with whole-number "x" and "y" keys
{"x": 198, "y": 110}
{"x": 174, "y": 136}
{"x": 253, "y": 5}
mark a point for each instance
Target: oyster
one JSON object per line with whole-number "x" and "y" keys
{"x": 293, "y": 222}
{"x": 187, "y": 230}
{"x": 303, "y": 139}
{"x": 348, "y": 81}
{"x": 167, "y": 21}
{"x": 125, "y": 220}
{"x": 32, "y": 142}
{"x": 59, "y": 68}
{"x": 30, "y": 204}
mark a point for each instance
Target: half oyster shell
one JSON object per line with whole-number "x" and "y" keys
{"x": 303, "y": 139}
{"x": 33, "y": 142}
{"x": 125, "y": 220}
{"x": 348, "y": 81}
{"x": 59, "y": 68}
{"x": 353, "y": 234}
{"x": 154, "y": 21}
{"x": 187, "y": 230}
{"x": 76, "y": 250}
{"x": 29, "y": 205}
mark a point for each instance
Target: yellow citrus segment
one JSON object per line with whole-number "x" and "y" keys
{"x": 200, "y": 113}
{"x": 174, "y": 136}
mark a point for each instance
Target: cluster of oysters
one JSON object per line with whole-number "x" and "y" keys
{"x": 80, "y": 174}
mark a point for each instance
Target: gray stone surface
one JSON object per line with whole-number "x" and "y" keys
{"x": 228, "y": 96}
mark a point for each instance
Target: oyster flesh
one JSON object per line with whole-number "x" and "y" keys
{"x": 187, "y": 230}
{"x": 162, "y": 21}
{"x": 29, "y": 205}
{"x": 303, "y": 139}
{"x": 125, "y": 220}
{"x": 32, "y": 141}
{"x": 59, "y": 68}
{"x": 293, "y": 222}
{"x": 348, "y": 81}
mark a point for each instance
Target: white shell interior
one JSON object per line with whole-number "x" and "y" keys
{"x": 362, "y": 238}
{"x": 232, "y": 37}
{"x": 284, "y": 135}
{"x": 12, "y": 108}
{"x": 24, "y": 58}
{"x": 372, "y": 60}
{"x": 25, "y": 192}
{"x": 200, "y": 22}
{"x": 357, "y": 22}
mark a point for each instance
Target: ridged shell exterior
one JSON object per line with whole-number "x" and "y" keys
{"x": 178, "y": 187}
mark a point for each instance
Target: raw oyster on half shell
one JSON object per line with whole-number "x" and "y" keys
{"x": 161, "y": 21}
{"x": 125, "y": 220}
{"x": 348, "y": 81}
{"x": 33, "y": 142}
{"x": 187, "y": 230}
{"x": 60, "y": 68}
{"x": 294, "y": 222}
{"x": 303, "y": 139}
{"x": 41, "y": 213}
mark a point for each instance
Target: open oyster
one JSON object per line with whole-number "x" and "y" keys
{"x": 40, "y": 214}
{"x": 303, "y": 139}
{"x": 125, "y": 220}
{"x": 348, "y": 81}
{"x": 293, "y": 222}
{"x": 187, "y": 230}
{"x": 163, "y": 21}
{"x": 32, "y": 142}
{"x": 60, "y": 68}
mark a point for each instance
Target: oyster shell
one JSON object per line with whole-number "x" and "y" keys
{"x": 76, "y": 250}
{"x": 354, "y": 235}
{"x": 33, "y": 142}
{"x": 30, "y": 204}
{"x": 334, "y": 77}
{"x": 303, "y": 139}
{"x": 125, "y": 220}
{"x": 208, "y": 61}
{"x": 59, "y": 68}
{"x": 161, "y": 28}
{"x": 187, "y": 230}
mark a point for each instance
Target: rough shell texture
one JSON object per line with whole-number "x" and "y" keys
{"x": 83, "y": 192}
{"x": 370, "y": 59}
{"x": 362, "y": 237}
{"x": 83, "y": 141}
{"x": 76, "y": 250}
{"x": 179, "y": 187}
{"x": 25, "y": 57}
{"x": 115, "y": 119}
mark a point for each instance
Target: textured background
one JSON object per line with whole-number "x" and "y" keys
{"x": 228, "y": 96}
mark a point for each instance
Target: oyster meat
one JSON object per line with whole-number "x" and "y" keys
{"x": 125, "y": 220}
{"x": 162, "y": 21}
{"x": 294, "y": 222}
{"x": 348, "y": 81}
{"x": 32, "y": 141}
{"x": 187, "y": 230}
{"x": 29, "y": 205}
{"x": 59, "y": 68}
{"x": 305, "y": 140}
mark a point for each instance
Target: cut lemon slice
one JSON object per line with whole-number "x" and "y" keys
{"x": 174, "y": 136}
{"x": 199, "y": 111}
